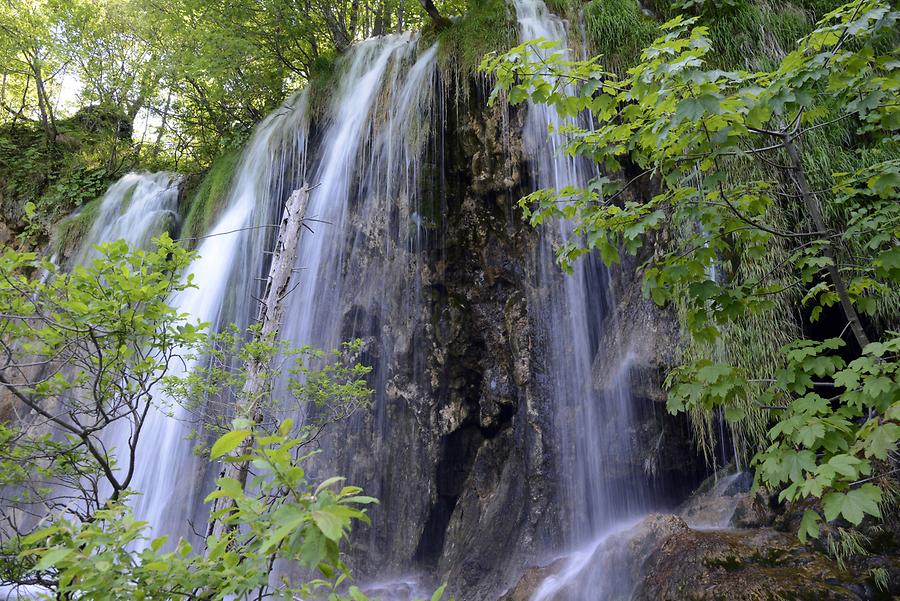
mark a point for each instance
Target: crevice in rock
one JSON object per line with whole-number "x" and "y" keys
{"x": 458, "y": 451}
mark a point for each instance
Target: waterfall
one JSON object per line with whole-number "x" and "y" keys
{"x": 171, "y": 479}
{"x": 136, "y": 208}
{"x": 368, "y": 162}
{"x": 591, "y": 427}
{"x": 371, "y": 143}
{"x": 360, "y": 273}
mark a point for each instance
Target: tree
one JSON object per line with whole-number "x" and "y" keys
{"x": 728, "y": 153}
{"x": 437, "y": 18}
{"x": 86, "y": 350}
{"x": 28, "y": 51}
{"x": 94, "y": 349}
{"x": 286, "y": 518}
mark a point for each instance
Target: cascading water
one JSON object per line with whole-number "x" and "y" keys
{"x": 358, "y": 269}
{"x": 368, "y": 160}
{"x": 359, "y": 276}
{"x": 231, "y": 259}
{"x": 595, "y": 494}
{"x": 136, "y": 208}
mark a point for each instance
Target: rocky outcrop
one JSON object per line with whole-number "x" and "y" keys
{"x": 455, "y": 445}
{"x": 663, "y": 559}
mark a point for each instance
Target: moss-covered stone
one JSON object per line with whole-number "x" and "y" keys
{"x": 488, "y": 26}
{"x": 206, "y": 199}
{"x": 67, "y": 235}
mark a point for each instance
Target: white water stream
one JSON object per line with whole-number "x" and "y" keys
{"x": 596, "y": 497}
{"x": 136, "y": 208}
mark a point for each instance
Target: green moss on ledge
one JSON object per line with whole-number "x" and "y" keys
{"x": 206, "y": 200}
{"x": 488, "y": 26}
{"x": 68, "y": 234}
{"x": 323, "y": 80}
{"x": 618, "y": 31}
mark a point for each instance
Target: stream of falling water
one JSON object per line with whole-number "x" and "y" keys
{"x": 592, "y": 498}
{"x": 225, "y": 274}
{"x": 136, "y": 208}
{"x": 370, "y": 153}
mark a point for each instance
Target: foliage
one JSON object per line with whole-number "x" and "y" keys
{"x": 68, "y": 234}
{"x": 190, "y": 78}
{"x": 285, "y": 518}
{"x": 685, "y": 129}
{"x": 486, "y": 26}
{"x": 56, "y": 182}
{"x": 95, "y": 341}
{"x": 95, "y": 347}
{"x": 205, "y": 201}
{"x": 617, "y": 31}
{"x": 327, "y": 387}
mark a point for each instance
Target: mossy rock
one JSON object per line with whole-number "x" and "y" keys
{"x": 488, "y": 26}
{"x": 67, "y": 235}
{"x": 748, "y": 565}
{"x": 206, "y": 199}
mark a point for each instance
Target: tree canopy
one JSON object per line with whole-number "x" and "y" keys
{"x": 189, "y": 75}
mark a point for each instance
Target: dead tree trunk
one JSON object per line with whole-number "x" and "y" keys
{"x": 257, "y": 384}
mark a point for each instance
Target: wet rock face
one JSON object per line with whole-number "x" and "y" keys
{"x": 753, "y": 564}
{"x": 459, "y": 444}
{"x": 663, "y": 559}
{"x": 643, "y": 339}
{"x": 453, "y": 446}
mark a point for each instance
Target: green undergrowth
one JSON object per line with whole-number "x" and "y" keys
{"x": 323, "y": 81}
{"x": 616, "y": 30}
{"x": 90, "y": 151}
{"x": 207, "y": 198}
{"x": 488, "y": 26}
{"x": 749, "y": 34}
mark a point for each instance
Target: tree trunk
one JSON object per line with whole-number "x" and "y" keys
{"x": 46, "y": 109}
{"x": 257, "y": 383}
{"x": 815, "y": 212}
{"x": 440, "y": 21}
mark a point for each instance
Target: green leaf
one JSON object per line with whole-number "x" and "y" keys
{"x": 51, "y": 558}
{"x": 329, "y": 482}
{"x": 439, "y": 593}
{"x": 689, "y": 109}
{"x": 809, "y": 525}
{"x": 734, "y": 414}
{"x": 287, "y": 525}
{"x": 853, "y": 505}
{"x": 330, "y": 524}
{"x": 228, "y": 442}
{"x": 845, "y": 465}
{"x": 157, "y": 543}
{"x": 888, "y": 264}
{"x": 882, "y": 440}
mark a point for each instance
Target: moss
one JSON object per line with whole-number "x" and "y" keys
{"x": 488, "y": 26}
{"x": 205, "y": 202}
{"x": 68, "y": 234}
{"x": 729, "y": 563}
{"x": 60, "y": 177}
{"x": 322, "y": 81}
